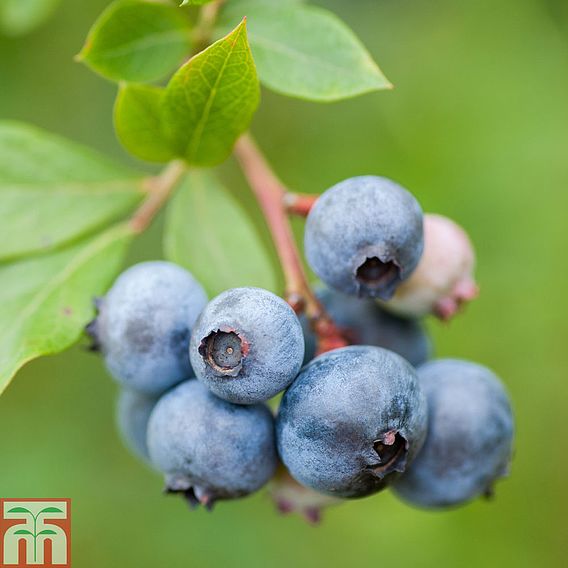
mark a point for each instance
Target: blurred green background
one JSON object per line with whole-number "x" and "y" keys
{"x": 477, "y": 128}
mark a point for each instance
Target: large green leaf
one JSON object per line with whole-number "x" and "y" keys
{"x": 137, "y": 40}
{"x": 209, "y": 233}
{"x": 47, "y": 300}
{"x": 18, "y": 17}
{"x": 53, "y": 191}
{"x": 211, "y": 100}
{"x": 138, "y": 122}
{"x": 304, "y": 51}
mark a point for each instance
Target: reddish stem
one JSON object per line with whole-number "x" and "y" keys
{"x": 160, "y": 189}
{"x": 299, "y": 204}
{"x": 271, "y": 196}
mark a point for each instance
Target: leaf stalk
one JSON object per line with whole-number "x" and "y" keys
{"x": 160, "y": 188}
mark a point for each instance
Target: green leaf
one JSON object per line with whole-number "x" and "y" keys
{"x": 137, "y": 40}
{"x": 47, "y": 300}
{"x": 18, "y": 17}
{"x": 46, "y": 531}
{"x": 210, "y": 234}
{"x": 51, "y": 510}
{"x": 54, "y": 191}
{"x": 194, "y": 2}
{"x": 24, "y": 531}
{"x": 211, "y": 100}
{"x": 138, "y": 122}
{"x": 306, "y": 52}
{"x": 19, "y": 510}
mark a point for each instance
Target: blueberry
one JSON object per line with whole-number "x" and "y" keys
{"x": 133, "y": 411}
{"x": 210, "y": 449}
{"x": 144, "y": 324}
{"x": 443, "y": 281}
{"x": 364, "y": 322}
{"x": 470, "y": 435}
{"x": 247, "y": 345}
{"x": 364, "y": 236}
{"x": 352, "y": 420}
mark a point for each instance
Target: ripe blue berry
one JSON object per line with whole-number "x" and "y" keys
{"x": 364, "y": 236}
{"x": 144, "y": 324}
{"x": 470, "y": 435}
{"x": 210, "y": 449}
{"x": 133, "y": 411}
{"x": 364, "y": 322}
{"x": 247, "y": 345}
{"x": 352, "y": 420}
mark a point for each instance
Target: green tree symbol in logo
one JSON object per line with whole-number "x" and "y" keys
{"x": 35, "y": 534}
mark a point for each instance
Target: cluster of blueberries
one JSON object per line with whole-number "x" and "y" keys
{"x": 197, "y": 376}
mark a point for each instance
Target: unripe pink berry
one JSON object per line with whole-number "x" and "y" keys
{"x": 443, "y": 280}
{"x": 291, "y": 497}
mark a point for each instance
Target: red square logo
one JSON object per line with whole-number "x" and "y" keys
{"x": 35, "y": 532}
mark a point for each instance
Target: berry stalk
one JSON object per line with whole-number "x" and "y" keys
{"x": 299, "y": 204}
{"x": 271, "y": 196}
